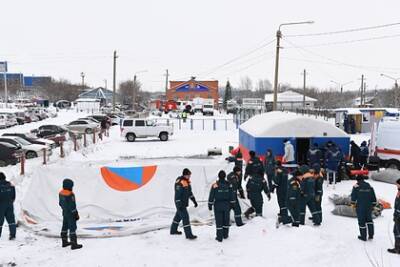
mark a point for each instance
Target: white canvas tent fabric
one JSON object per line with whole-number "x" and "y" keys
{"x": 278, "y": 124}
{"x": 107, "y": 212}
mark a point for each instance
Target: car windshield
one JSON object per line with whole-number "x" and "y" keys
{"x": 22, "y": 141}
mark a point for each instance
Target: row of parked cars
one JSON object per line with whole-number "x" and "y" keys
{"x": 47, "y": 137}
{"x": 10, "y": 118}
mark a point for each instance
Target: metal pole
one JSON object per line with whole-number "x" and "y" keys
{"x": 361, "y": 90}
{"x": 396, "y": 94}
{"x": 5, "y": 89}
{"x": 304, "y": 89}
{"x": 114, "y": 77}
{"x": 166, "y": 83}
{"x": 278, "y": 39}
{"x": 134, "y": 93}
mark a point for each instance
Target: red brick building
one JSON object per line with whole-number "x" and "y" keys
{"x": 187, "y": 90}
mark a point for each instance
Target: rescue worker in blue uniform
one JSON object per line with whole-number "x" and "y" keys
{"x": 319, "y": 182}
{"x": 307, "y": 196}
{"x": 364, "y": 153}
{"x": 314, "y": 155}
{"x": 396, "y": 219}
{"x": 281, "y": 185}
{"x": 333, "y": 158}
{"x": 222, "y": 198}
{"x": 255, "y": 185}
{"x": 293, "y": 197}
{"x": 269, "y": 166}
{"x": 363, "y": 199}
{"x": 239, "y": 159}
{"x": 70, "y": 215}
{"x": 235, "y": 179}
{"x": 183, "y": 192}
{"x": 7, "y": 198}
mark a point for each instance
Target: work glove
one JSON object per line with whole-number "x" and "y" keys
{"x": 241, "y": 194}
{"x": 195, "y": 203}
{"x": 209, "y": 207}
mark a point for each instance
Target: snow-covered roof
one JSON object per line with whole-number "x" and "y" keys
{"x": 283, "y": 124}
{"x": 288, "y": 97}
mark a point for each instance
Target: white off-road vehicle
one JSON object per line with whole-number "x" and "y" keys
{"x": 133, "y": 128}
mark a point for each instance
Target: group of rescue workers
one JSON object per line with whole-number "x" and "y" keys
{"x": 296, "y": 188}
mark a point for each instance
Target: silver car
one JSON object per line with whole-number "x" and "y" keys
{"x": 83, "y": 126}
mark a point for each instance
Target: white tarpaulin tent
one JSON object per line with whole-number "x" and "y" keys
{"x": 105, "y": 211}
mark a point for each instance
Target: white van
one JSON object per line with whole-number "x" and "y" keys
{"x": 387, "y": 146}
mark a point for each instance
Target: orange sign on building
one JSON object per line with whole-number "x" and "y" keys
{"x": 187, "y": 90}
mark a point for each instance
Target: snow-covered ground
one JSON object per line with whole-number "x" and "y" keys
{"x": 258, "y": 243}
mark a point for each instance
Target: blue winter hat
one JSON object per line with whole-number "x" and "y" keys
{"x": 68, "y": 184}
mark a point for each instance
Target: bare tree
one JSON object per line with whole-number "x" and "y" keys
{"x": 246, "y": 83}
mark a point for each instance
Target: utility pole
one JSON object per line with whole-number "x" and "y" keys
{"x": 361, "y": 90}
{"x": 134, "y": 95}
{"x": 105, "y": 83}
{"x": 304, "y": 88}
{"x": 166, "y": 83}
{"x": 278, "y": 43}
{"x": 114, "y": 77}
{"x": 83, "y": 81}
{"x": 364, "y": 92}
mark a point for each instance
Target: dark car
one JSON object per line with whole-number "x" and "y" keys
{"x": 52, "y": 132}
{"x": 9, "y": 154}
{"x": 30, "y": 139}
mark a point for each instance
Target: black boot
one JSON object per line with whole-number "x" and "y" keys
{"x": 176, "y": 233}
{"x": 188, "y": 232}
{"x": 64, "y": 239}
{"x": 248, "y": 212}
{"x": 74, "y": 242}
{"x": 396, "y": 249}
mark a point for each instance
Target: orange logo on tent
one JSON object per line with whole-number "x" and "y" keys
{"x": 127, "y": 178}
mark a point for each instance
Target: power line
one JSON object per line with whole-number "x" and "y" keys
{"x": 346, "y": 30}
{"x": 248, "y": 66}
{"x": 354, "y": 41}
{"x": 374, "y": 69}
{"x": 206, "y": 73}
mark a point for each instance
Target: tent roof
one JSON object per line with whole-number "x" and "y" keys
{"x": 288, "y": 96}
{"x": 283, "y": 124}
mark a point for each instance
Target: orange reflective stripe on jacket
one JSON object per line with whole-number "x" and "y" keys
{"x": 65, "y": 192}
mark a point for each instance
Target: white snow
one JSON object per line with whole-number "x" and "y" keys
{"x": 258, "y": 243}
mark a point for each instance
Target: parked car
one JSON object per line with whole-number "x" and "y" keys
{"x": 83, "y": 126}
{"x": 115, "y": 119}
{"x": 20, "y": 117}
{"x": 3, "y": 121}
{"x": 90, "y": 119}
{"x": 11, "y": 119}
{"x": 142, "y": 128}
{"x": 9, "y": 154}
{"x": 30, "y": 150}
{"x": 101, "y": 117}
{"x": 32, "y": 139}
{"x": 52, "y": 132}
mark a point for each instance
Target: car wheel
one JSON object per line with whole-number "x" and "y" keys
{"x": 163, "y": 136}
{"x": 393, "y": 164}
{"x": 31, "y": 155}
{"x": 3, "y": 163}
{"x": 88, "y": 131}
{"x": 130, "y": 137}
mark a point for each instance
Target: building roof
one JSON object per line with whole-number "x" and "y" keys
{"x": 285, "y": 124}
{"x": 288, "y": 97}
{"x": 97, "y": 93}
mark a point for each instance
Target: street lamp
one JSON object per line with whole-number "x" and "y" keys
{"x": 278, "y": 39}
{"x": 135, "y": 88}
{"x": 396, "y": 87}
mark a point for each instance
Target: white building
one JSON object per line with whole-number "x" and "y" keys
{"x": 289, "y": 100}
{"x": 88, "y": 104}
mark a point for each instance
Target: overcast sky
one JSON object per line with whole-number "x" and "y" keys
{"x": 63, "y": 38}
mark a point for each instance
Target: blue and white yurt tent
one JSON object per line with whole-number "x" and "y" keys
{"x": 269, "y": 130}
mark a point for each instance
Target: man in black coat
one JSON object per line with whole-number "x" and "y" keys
{"x": 396, "y": 219}
{"x": 7, "y": 198}
{"x": 222, "y": 198}
{"x": 70, "y": 215}
{"x": 235, "y": 179}
{"x": 183, "y": 192}
{"x": 363, "y": 199}
{"x": 280, "y": 183}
